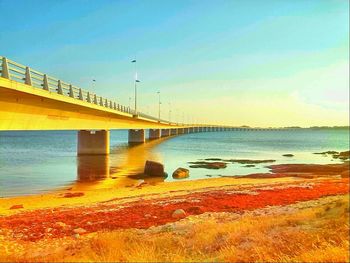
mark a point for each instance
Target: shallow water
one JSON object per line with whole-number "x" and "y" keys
{"x": 39, "y": 161}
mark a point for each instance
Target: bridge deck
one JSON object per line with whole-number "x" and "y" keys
{"x": 23, "y": 107}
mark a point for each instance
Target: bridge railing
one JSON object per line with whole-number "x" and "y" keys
{"x": 23, "y": 74}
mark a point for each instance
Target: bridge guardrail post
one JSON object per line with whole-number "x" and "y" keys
{"x": 95, "y": 99}
{"x": 59, "y": 88}
{"x": 27, "y": 78}
{"x": 46, "y": 83}
{"x": 88, "y": 97}
{"x": 71, "y": 92}
{"x": 5, "y": 69}
{"x": 81, "y": 94}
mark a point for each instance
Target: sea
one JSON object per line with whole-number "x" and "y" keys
{"x": 34, "y": 162}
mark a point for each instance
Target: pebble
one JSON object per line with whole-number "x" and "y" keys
{"x": 79, "y": 231}
{"x": 60, "y": 224}
{"x": 179, "y": 213}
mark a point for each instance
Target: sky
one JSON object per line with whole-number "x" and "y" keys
{"x": 260, "y": 63}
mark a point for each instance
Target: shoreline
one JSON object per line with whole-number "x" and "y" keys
{"x": 52, "y": 227}
{"x": 82, "y": 194}
{"x": 56, "y": 198}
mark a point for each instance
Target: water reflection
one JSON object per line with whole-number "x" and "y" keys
{"x": 92, "y": 167}
{"x": 114, "y": 170}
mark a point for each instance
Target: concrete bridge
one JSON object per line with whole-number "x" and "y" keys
{"x": 31, "y": 100}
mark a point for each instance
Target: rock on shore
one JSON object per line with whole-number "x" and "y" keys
{"x": 180, "y": 173}
{"x": 154, "y": 169}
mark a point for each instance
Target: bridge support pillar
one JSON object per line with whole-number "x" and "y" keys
{"x": 136, "y": 136}
{"x": 93, "y": 142}
{"x": 180, "y": 130}
{"x": 173, "y": 131}
{"x": 154, "y": 134}
{"x": 165, "y": 132}
{"x": 191, "y": 130}
{"x": 186, "y": 130}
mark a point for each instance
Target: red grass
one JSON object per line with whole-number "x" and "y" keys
{"x": 145, "y": 213}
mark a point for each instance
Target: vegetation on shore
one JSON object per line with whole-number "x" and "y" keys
{"x": 311, "y": 231}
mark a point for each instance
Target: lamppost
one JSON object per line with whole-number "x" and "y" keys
{"x": 169, "y": 112}
{"x": 158, "y": 92}
{"x": 136, "y": 80}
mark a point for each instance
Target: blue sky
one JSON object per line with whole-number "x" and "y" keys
{"x": 260, "y": 63}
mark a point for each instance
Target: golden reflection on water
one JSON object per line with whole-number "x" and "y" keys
{"x": 106, "y": 171}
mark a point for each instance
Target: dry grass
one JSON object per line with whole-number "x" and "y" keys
{"x": 309, "y": 235}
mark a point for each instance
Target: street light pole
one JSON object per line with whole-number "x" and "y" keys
{"x": 135, "y": 95}
{"x": 169, "y": 112}
{"x": 136, "y": 80}
{"x": 158, "y": 92}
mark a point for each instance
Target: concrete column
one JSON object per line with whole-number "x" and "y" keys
{"x": 191, "y": 130}
{"x": 93, "y": 142}
{"x": 136, "y": 136}
{"x": 180, "y": 130}
{"x": 173, "y": 131}
{"x": 154, "y": 134}
{"x": 186, "y": 130}
{"x": 165, "y": 132}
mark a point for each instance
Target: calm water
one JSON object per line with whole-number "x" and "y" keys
{"x": 33, "y": 162}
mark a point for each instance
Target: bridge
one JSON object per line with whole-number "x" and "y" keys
{"x": 31, "y": 100}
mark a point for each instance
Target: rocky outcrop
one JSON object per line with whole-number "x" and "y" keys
{"x": 154, "y": 169}
{"x": 70, "y": 195}
{"x": 208, "y": 165}
{"x": 337, "y": 155}
{"x": 342, "y": 155}
{"x": 16, "y": 207}
{"x": 180, "y": 173}
{"x": 248, "y": 161}
{"x": 328, "y": 152}
{"x": 317, "y": 169}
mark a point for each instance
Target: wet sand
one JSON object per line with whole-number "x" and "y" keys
{"x": 105, "y": 193}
